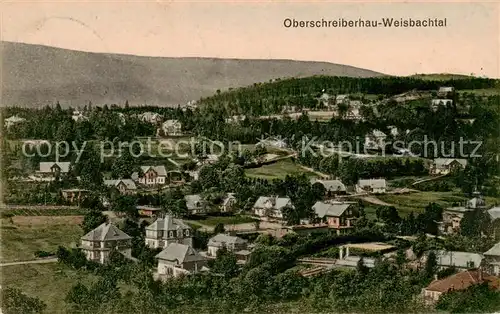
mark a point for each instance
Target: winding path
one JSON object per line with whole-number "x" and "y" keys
{"x": 36, "y": 261}
{"x": 428, "y": 179}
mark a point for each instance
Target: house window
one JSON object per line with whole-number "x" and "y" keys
{"x": 470, "y": 264}
{"x": 186, "y": 232}
{"x": 170, "y": 234}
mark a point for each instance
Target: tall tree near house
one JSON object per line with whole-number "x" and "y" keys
{"x": 291, "y": 215}
{"x": 225, "y": 263}
{"x": 92, "y": 219}
{"x": 126, "y": 204}
{"x": 89, "y": 168}
{"x": 219, "y": 228}
{"x": 181, "y": 208}
{"x": 475, "y": 223}
{"x": 123, "y": 166}
{"x": 430, "y": 265}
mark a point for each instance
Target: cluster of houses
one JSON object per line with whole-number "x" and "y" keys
{"x": 173, "y": 236}
{"x": 179, "y": 257}
{"x": 444, "y": 98}
{"x": 452, "y": 216}
{"x": 472, "y": 269}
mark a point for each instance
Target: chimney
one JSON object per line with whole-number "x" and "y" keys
{"x": 480, "y": 273}
{"x": 435, "y": 277}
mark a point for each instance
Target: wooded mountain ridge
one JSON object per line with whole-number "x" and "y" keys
{"x": 36, "y": 75}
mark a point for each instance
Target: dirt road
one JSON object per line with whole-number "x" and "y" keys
{"x": 36, "y": 261}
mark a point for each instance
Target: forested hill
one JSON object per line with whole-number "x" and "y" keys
{"x": 35, "y": 75}
{"x": 269, "y": 98}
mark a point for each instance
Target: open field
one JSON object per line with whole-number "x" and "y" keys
{"x": 43, "y": 212}
{"x": 49, "y": 282}
{"x": 416, "y": 202}
{"x": 277, "y": 170}
{"x": 25, "y": 235}
{"x": 482, "y": 92}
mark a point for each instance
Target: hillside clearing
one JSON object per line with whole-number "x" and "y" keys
{"x": 21, "y": 241}
{"x": 277, "y": 170}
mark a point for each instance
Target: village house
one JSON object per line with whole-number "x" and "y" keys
{"x": 78, "y": 116}
{"x": 235, "y": 119}
{"x": 460, "y": 260}
{"x": 458, "y": 281}
{"x": 436, "y": 103}
{"x": 271, "y": 206}
{"x": 54, "y": 168}
{"x": 151, "y": 117}
{"x": 148, "y": 211}
{"x": 231, "y": 243}
{"x": 13, "y": 120}
{"x": 375, "y": 186}
{"x": 195, "y": 204}
{"x": 172, "y": 128}
{"x": 207, "y": 160}
{"x": 124, "y": 186}
{"x": 447, "y": 165}
{"x": 375, "y": 140}
{"x": 492, "y": 260}
{"x": 98, "y": 243}
{"x": 74, "y": 196}
{"x": 167, "y": 230}
{"x": 228, "y": 203}
{"x": 338, "y": 215}
{"x": 339, "y": 99}
{"x": 152, "y": 175}
{"x": 332, "y": 187}
{"x": 351, "y": 261}
{"x": 445, "y": 91}
{"x": 274, "y": 141}
{"x": 452, "y": 216}
{"x": 494, "y": 213}
{"x": 179, "y": 259}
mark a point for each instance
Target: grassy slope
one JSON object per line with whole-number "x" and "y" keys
{"x": 277, "y": 170}
{"x": 49, "y": 282}
{"x": 20, "y": 242}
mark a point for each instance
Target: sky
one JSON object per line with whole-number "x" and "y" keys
{"x": 469, "y": 44}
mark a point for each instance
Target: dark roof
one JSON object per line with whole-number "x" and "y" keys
{"x": 106, "y": 232}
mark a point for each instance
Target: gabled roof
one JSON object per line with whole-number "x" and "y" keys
{"x": 443, "y": 162}
{"x": 277, "y": 202}
{"x": 229, "y": 197}
{"x": 334, "y": 209}
{"x": 476, "y": 202}
{"x": 446, "y": 89}
{"x": 221, "y": 239}
{"x": 171, "y": 123}
{"x": 494, "y": 212}
{"x": 332, "y": 185}
{"x": 373, "y": 183}
{"x": 494, "y": 251}
{"x": 15, "y": 119}
{"x": 193, "y": 201}
{"x": 181, "y": 253}
{"x": 47, "y": 166}
{"x": 129, "y": 183}
{"x": 106, "y": 232}
{"x": 168, "y": 223}
{"x": 160, "y": 170}
{"x": 460, "y": 281}
{"x": 458, "y": 259}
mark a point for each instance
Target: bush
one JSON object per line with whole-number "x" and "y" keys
{"x": 44, "y": 254}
